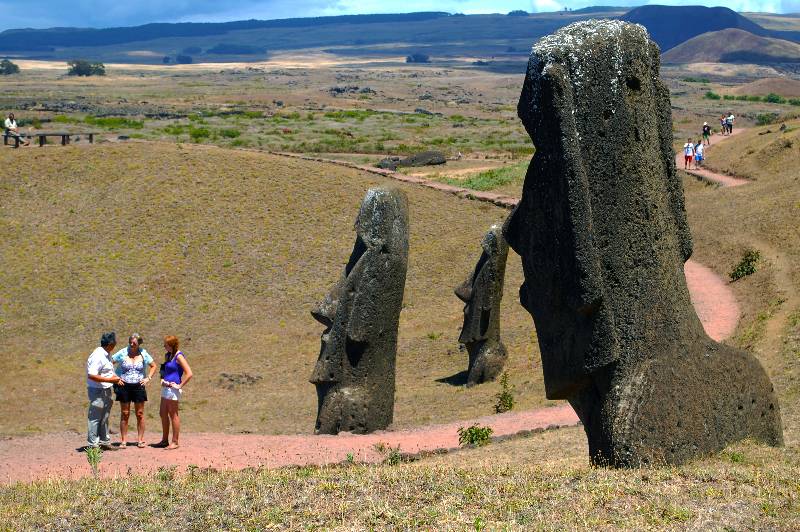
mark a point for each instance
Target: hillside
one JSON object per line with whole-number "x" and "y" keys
{"x": 672, "y": 25}
{"x": 432, "y": 33}
{"x": 788, "y": 88}
{"x": 733, "y": 46}
{"x": 541, "y": 481}
{"x": 230, "y": 249}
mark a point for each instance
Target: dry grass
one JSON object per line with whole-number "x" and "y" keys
{"x": 230, "y": 249}
{"x": 515, "y": 485}
{"x": 762, "y": 216}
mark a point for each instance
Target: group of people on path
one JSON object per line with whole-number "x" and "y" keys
{"x": 694, "y": 150}
{"x": 128, "y": 372}
{"x": 726, "y": 123}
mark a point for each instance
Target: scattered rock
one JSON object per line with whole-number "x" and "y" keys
{"x": 425, "y": 158}
{"x": 230, "y": 381}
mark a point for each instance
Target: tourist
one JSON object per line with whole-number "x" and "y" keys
{"x": 707, "y": 133}
{"x": 135, "y": 367}
{"x": 729, "y": 122}
{"x": 688, "y": 154}
{"x": 100, "y": 378}
{"x": 175, "y": 373}
{"x": 698, "y": 153}
{"x": 12, "y": 130}
{"x": 723, "y": 122}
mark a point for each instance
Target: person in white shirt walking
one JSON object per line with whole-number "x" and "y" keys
{"x": 688, "y": 154}
{"x": 100, "y": 377}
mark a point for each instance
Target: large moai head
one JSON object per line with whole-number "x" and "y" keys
{"x": 355, "y": 372}
{"x": 603, "y": 236}
{"x": 482, "y": 293}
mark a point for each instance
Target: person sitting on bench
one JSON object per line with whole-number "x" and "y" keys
{"x": 12, "y": 130}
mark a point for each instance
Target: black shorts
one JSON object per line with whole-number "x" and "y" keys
{"x": 131, "y": 393}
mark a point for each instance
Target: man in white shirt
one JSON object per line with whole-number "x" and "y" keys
{"x": 12, "y": 130}
{"x": 100, "y": 377}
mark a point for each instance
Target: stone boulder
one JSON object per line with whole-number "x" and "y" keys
{"x": 425, "y": 158}
{"x": 603, "y": 236}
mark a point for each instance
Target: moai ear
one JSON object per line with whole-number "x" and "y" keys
{"x": 673, "y": 185}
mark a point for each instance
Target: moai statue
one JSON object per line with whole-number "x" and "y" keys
{"x": 481, "y": 294}
{"x": 603, "y": 236}
{"x": 355, "y": 372}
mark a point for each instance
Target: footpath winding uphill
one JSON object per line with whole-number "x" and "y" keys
{"x": 54, "y": 455}
{"x": 708, "y": 175}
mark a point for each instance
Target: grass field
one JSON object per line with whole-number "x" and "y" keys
{"x": 230, "y": 249}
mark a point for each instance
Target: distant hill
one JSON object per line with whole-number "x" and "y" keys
{"x": 733, "y": 46}
{"x": 670, "y": 26}
{"x": 788, "y": 88}
{"x": 504, "y": 39}
{"x": 53, "y": 37}
{"x": 436, "y": 34}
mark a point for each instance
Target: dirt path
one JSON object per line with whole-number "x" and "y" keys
{"x": 708, "y": 175}
{"x": 55, "y": 455}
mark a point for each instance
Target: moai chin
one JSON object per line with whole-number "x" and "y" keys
{"x": 481, "y": 293}
{"x": 355, "y": 372}
{"x": 603, "y": 236}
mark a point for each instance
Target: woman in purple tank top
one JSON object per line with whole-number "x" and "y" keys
{"x": 175, "y": 373}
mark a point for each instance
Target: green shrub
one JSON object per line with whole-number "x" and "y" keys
{"x": 7, "y": 68}
{"x": 393, "y": 457}
{"x": 774, "y": 98}
{"x": 754, "y": 98}
{"x": 81, "y": 67}
{"x": 728, "y": 97}
{"x": 794, "y": 101}
{"x": 747, "y": 266}
{"x": 711, "y": 95}
{"x": 253, "y": 114}
{"x": 505, "y": 398}
{"x": 474, "y": 435}
{"x": 64, "y": 119}
{"x": 230, "y": 133}
{"x": 93, "y": 456}
{"x": 742, "y": 97}
{"x": 174, "y": 129}
{"x": 199, "y": 133}
{"x": 114, "y": 122}
{"x": 765, "y": 118}
{"x": 696, "y": 80}
{"x": 491, "y": 179}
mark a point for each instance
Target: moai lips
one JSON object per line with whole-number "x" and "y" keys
{"x": 482, "y": 293}
{"x": 355, "y": 373}
{"x": 603, "y": 236}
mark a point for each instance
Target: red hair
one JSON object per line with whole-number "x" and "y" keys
{"x": 172, "y": 342}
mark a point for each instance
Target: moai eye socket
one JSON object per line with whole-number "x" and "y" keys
{"x": 633, "y": 83}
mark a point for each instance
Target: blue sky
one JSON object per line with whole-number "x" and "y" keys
{"x": 105, "y": 13}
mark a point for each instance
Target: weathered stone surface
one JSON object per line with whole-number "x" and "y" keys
{"x": 482, "y": 292}
{"x": 425, "y": 158}
{"x": 355, "y": 373}
{"x": 603, "y": 236}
